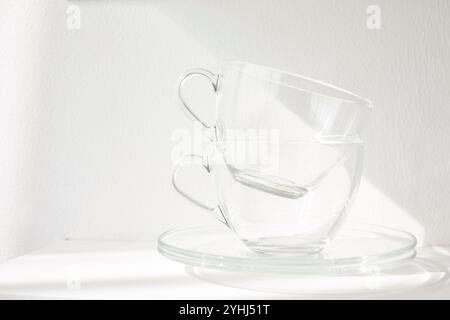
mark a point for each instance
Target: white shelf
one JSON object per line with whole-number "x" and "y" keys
{"x": 135, "y": 270}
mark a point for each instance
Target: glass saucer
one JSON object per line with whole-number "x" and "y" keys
{"x": 410, "y": 277}
{"x": 358, "y": 248}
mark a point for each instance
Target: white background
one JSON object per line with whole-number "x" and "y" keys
{"x": 87, "y": 116}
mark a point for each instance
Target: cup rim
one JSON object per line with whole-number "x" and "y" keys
{"x": 357, "y": 99}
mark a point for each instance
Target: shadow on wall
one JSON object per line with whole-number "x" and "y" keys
{"x": 403, "y": 68}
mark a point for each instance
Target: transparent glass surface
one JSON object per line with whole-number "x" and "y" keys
{"x": 357, "y": 249}
{"x": 287, "y": 156}
{"x": 293, "y": 203}
{"x": 415, "y": 274}
{"x": 298, "y": 108}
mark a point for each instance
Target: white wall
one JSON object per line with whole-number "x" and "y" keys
{"x": 87, "y": 115}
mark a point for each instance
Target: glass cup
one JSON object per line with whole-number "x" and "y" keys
{"x": 286, "y": 158}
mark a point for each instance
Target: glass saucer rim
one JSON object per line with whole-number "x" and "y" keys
{"x": 292, "y": 264}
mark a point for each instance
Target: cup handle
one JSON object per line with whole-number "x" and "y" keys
{"x": 213, "y": 78}
{"x": 195, "y": 159}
